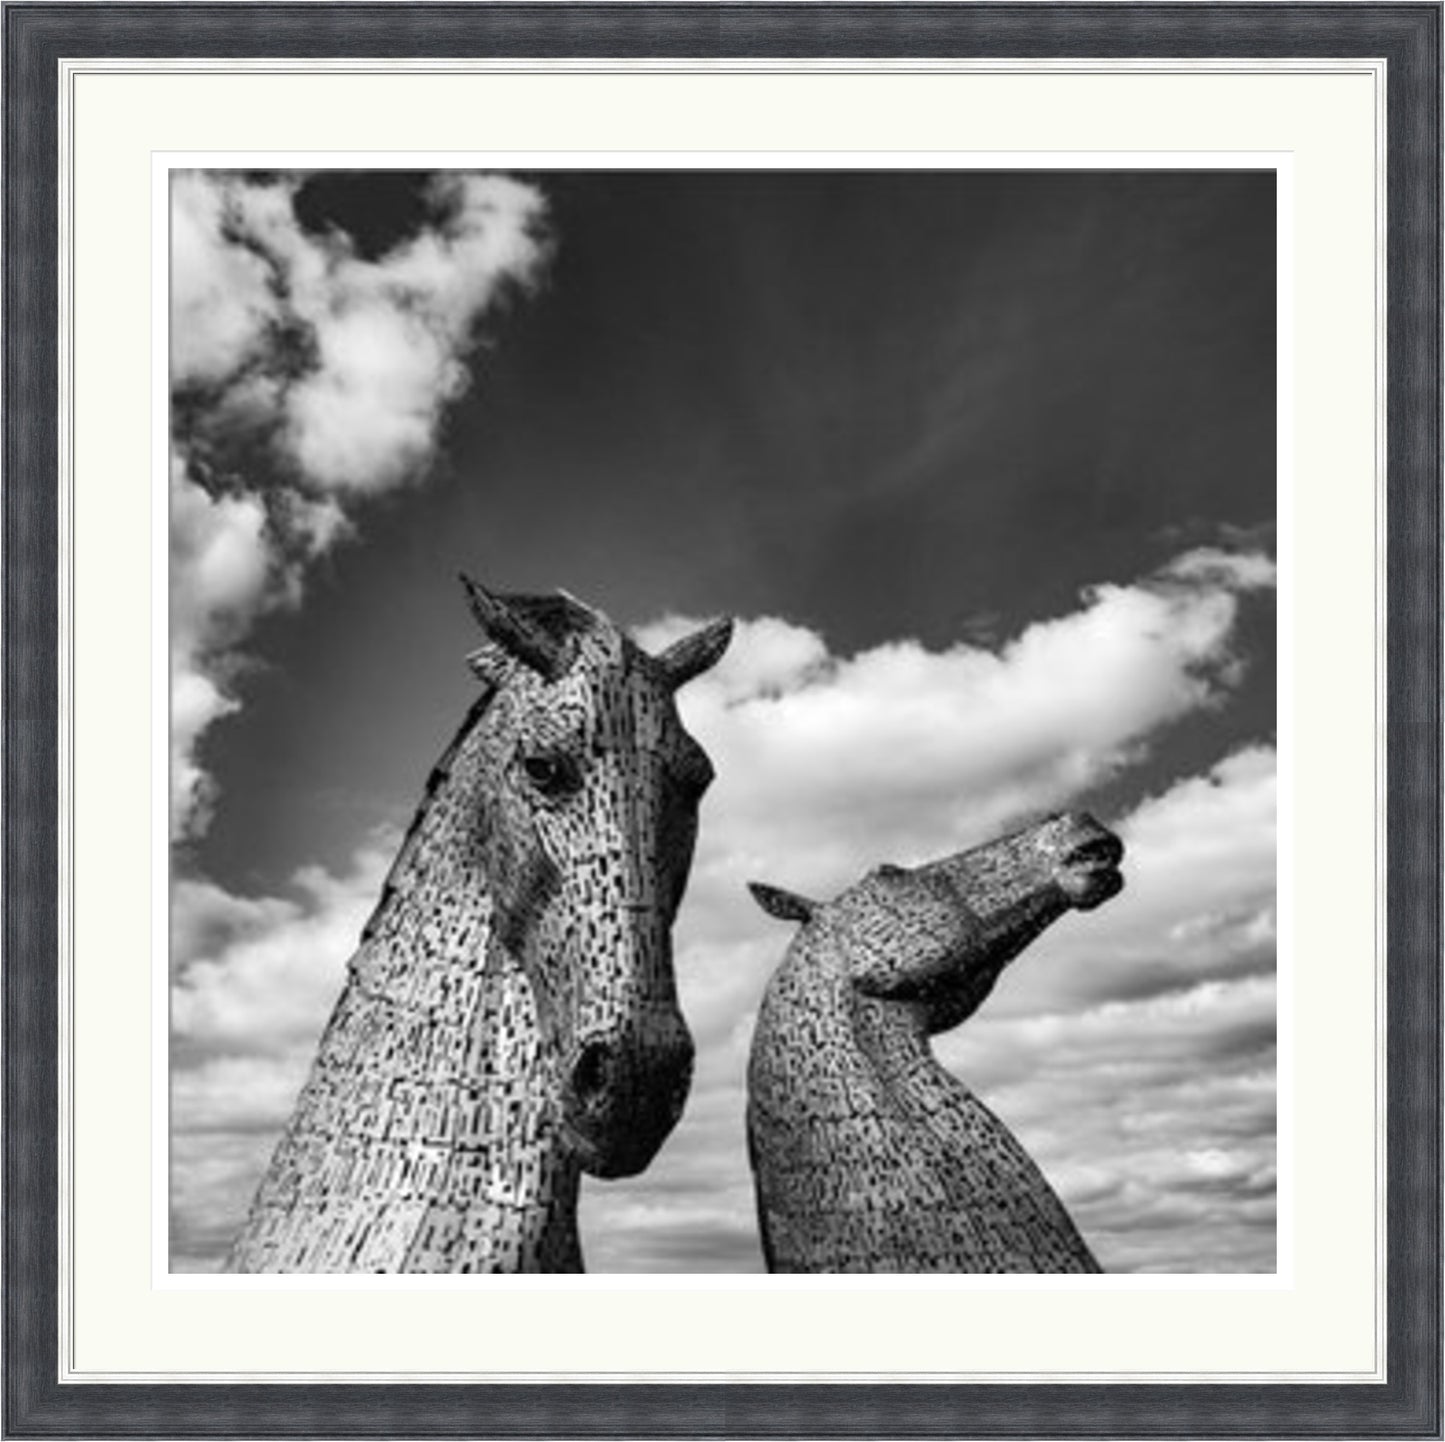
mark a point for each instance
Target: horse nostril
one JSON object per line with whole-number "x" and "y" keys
{"x": 1104, "y": 849}
{"x": 591, "y": 1072}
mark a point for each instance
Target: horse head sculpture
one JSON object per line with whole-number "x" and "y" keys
{"x": 868, "y": 1155}
{"x": 510, "y": 1018}
{"x": 586, "y": 839}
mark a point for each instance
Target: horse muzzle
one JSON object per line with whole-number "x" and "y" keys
{"x": 623, "y": 1095}
{"x": 1086, "y": 859}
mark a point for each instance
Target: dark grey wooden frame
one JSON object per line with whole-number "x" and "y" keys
{"x": 1406, "y": 36}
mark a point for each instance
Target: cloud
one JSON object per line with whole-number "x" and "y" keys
{"x": 305, "y": 378}
{"x": 257, "y": 972}
{"x": 222, "y": 300}
{"x": 1243, "y": 570}
{"x": 902, "y": 753}
{"x": 345, "y": 362}
{"x": 1155, "y": 1119}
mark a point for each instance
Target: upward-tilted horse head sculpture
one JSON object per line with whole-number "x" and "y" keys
{"x": 510, "y": 1019}
{"x": 867, "y": 1155}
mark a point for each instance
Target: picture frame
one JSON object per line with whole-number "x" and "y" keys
{"x": 38, "y": 37}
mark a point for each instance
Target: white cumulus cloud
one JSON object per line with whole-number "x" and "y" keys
{"x": 901, "y": 753}
{"x": 305, "y": 376}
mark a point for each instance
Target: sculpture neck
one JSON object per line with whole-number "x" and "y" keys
{"x": 808, "y": 1043}
{"x": 428, "y": 1135}
{"x": 1003, "y": 928}
{"x": 503, "y": 1196}
{"x": 868, "y": 1155}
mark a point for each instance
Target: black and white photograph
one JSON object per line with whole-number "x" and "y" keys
{"x": 724, "y": 721}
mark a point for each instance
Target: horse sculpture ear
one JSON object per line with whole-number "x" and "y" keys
{"x": 696, "y": 653}
{"x": 517, "y": 635}
{"x": 785, "y": 905}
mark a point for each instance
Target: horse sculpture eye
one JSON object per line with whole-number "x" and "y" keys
{"x": 551, "y": 775}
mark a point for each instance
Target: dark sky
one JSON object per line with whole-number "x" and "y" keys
{"x": 928, "y": 404}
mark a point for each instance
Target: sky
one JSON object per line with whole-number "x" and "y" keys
{"x": 984, "y": 465}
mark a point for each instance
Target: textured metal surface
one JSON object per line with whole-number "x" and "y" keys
{"x": 510, "y": 1018}
{"x": 867, "y": 1155}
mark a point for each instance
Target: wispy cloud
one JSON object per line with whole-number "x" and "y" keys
{"x": 305, "y": 378}
{"x": 1131, "y": 1048}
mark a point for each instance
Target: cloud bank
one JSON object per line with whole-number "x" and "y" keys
{"x": 305, "y": 378}
{"x": 1131, "y": 1049}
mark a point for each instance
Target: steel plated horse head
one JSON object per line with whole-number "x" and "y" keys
{"x": 510, "y": 1019}
{"x": 867, "y": 1154}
